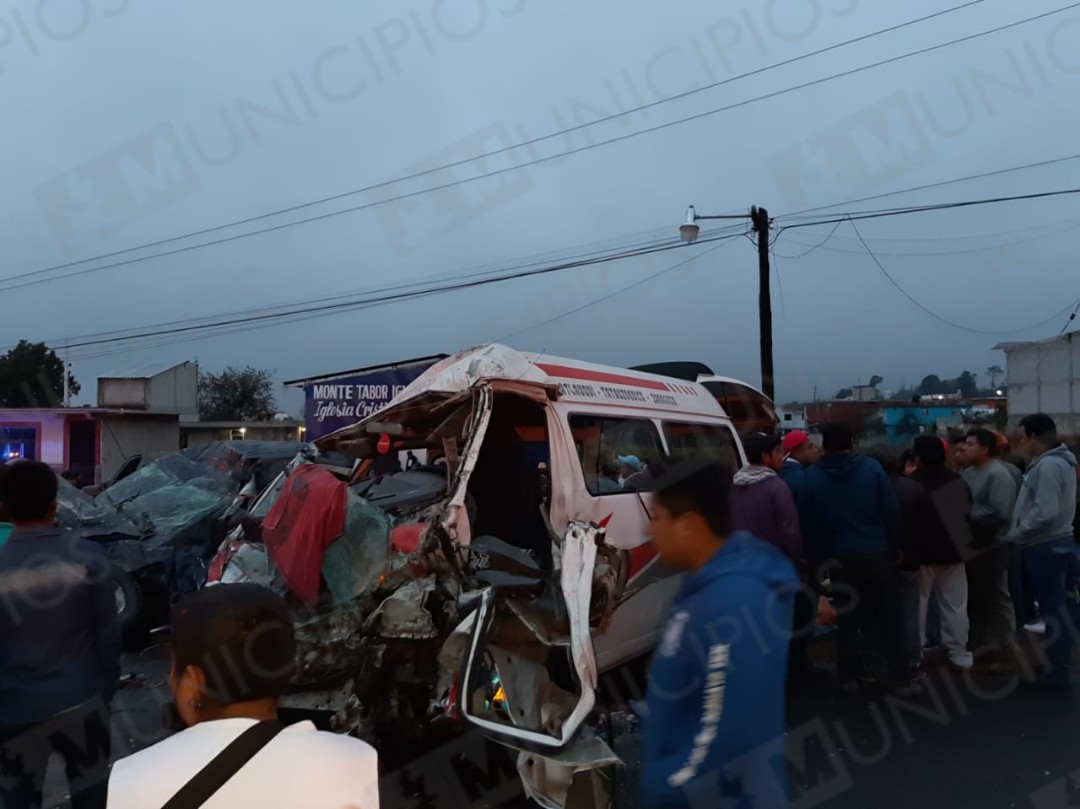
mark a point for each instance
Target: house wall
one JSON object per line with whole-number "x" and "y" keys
{"x": 1045, "y": 378}
{"x": 193, "y": 435}
{"x": 176, "y": 390}
{"x": 123, "y": 436}
{"x": 131, "y": 394}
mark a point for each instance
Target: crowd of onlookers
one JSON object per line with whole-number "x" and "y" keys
{"x": 963, "y": 545}
{"x": 959, "y": 544}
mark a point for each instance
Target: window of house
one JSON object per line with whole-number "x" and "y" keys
{"x": 602, "y": 440}
{"x": 787, "y": 417}
{"x": 18, "y": 442}
{"x": 686, "y": 440}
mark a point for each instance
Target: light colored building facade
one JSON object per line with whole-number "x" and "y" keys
{"x": 1044, "y": 377}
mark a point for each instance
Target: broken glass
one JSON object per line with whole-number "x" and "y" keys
{"x": 355, "y": 560}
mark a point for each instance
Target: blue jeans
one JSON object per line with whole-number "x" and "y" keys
{"x": 1021, "y": 588}
{"x": 1048, "y": 565}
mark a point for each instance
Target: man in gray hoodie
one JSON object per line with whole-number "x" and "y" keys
{"x": 993, "y": 493}
{"x": 1042, "y": 526}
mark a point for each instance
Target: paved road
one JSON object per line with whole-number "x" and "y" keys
{"x": 969, "y": 741}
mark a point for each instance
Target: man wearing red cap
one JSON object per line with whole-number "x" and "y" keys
{"x": 799, "y": 452}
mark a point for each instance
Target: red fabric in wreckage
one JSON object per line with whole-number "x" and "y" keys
{"x": 308, "y": 516}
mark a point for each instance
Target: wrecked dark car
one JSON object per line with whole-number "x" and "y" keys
{"x": 162, "y": 523}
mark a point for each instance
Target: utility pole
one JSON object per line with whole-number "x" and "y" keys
{"x": 759, "y": 217}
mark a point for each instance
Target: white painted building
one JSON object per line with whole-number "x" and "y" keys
{"x": 1044, "y": 377}
{"x": 791, "y": 419}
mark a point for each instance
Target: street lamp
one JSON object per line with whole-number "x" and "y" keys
{"x": 689, "y": 229}
{"x": 759, "y": 218}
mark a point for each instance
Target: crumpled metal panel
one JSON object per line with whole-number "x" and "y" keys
{"x": 402, "y": 615}
{"x": 548, "y": 779}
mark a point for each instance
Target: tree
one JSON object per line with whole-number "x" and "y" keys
{"x": 876, "y": 380}
{"x": 236, "y": 394}
{"x": 994, "y": 371}
{"x": 931, "y": 385}
{"x": 967, "y": 384}
{"x": 31, "y": 375}
{"x": 843, "y": 393}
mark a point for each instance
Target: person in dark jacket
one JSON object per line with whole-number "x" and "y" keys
{"x": 59, "y": 648}
{"x": 945, "y": 544}
{"x": 763, "y": 506}
{"x": 800, "y": 452}
{"x": 715, "y": 702}
{"x": 911, "y": 497}
{"x": 853, "y": 529}
{"x": 761, "y": 503}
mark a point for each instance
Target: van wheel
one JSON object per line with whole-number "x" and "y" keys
{"x": 126, "y": 595}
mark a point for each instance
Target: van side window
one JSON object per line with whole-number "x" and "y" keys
{"x": 615, "y": 452}
{"x": 713, "y": 441}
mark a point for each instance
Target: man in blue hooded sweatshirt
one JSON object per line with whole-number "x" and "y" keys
{"x": 854, "y": 531}
{"x": 714, "y": 724}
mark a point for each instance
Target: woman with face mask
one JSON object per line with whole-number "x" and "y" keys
{"x": 234, "y": 653}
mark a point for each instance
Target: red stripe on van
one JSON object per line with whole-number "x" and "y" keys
{"x": 641, "y": 556}
{"x": 566, "y": 372}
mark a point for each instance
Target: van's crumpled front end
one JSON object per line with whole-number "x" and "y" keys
{"x": 419, "y": 630}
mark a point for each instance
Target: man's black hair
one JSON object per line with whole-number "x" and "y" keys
{"x": 887, "y": 457}
{"x": 241, "y": 636}
{"x": 986, "y": 439}
{"x": 837, "y": 438}
{"x": 906, "y": 457}
{"x": 757, "y": 445}
{"x": 929, "y": 450}
{"x": 697, "y": 486}
{"x": 1041, "y": 427}
{"x": 29, "y": 491}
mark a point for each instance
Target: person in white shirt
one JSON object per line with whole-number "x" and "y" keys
{"x": 234, "y": 652}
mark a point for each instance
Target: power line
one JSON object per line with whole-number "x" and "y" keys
{"x": 494, "y": 172}
{"x": 585, "y": 251}
{"x": 943, "y": 206}
{"x": 271, "y": 315}
{"x": 940, "y": 184}
{"x": 394, "y": 296}
{"x": 934, "y": 314}
{"x": 1073, "y": 225}
{"x": 814, "y": 247}
{"x": 616, "y": 293}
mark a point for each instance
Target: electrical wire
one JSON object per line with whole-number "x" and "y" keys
{"x": 940, "y": 184}
{"x": 812, "y": 248}
{"x": 391, "y": 297}
{"x": 484, "y": 271}
{"x": 495, "y": 172}
{"x": 943, "y": 206}
{"x": 924, "y": 253}
{"x": 938, "y": 317}
{"x": 620, "y": 291}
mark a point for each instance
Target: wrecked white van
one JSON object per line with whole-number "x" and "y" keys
{"x": 507, "y": 568}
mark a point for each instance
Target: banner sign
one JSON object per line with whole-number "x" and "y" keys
{"x": 335, "y": 403}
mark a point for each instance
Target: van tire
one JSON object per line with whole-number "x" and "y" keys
{"x": 127, "y": 596}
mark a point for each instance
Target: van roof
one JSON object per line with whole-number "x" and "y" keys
{"x": 577, "y": 381}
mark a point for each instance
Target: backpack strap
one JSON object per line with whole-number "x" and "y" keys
{"x": 224, "y": 765}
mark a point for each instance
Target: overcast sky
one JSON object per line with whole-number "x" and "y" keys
{"x": 126, "y": 122}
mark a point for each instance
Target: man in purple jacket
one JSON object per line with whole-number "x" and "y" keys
{"x": 761, "y": 503}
